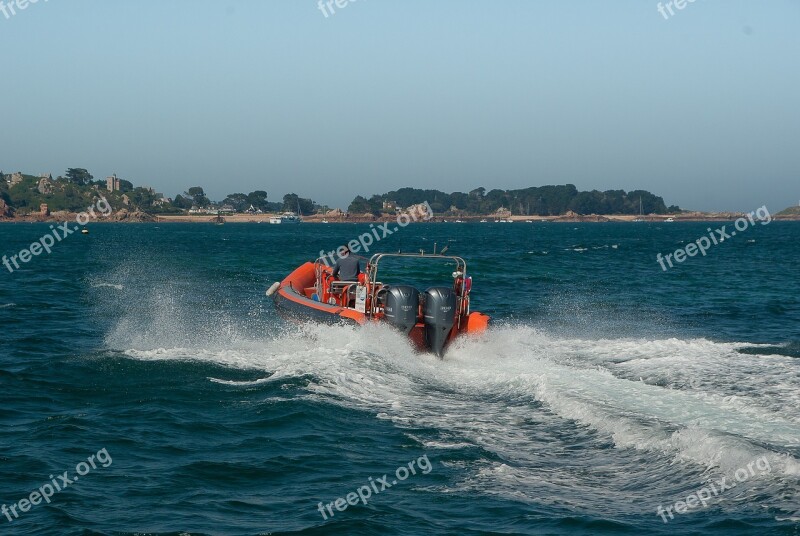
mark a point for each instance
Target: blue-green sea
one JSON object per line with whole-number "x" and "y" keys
{"x": 147, "y": 360}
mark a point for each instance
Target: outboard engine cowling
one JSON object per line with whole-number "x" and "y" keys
{"x": 440, "y": 316}
{"x": 401, "y": 307}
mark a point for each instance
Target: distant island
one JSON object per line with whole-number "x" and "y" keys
{"x": 789, "y": 213}
{"x": 44, "y": 198}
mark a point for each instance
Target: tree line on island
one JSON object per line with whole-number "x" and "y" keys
{"x": 533, "y": 201}
{"x": 77, "y": 188}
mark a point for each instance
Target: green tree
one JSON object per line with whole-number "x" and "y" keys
{"x": 589, "y": 203}
{"x": 478, "y": 192}
{"x": 651, "y": 204}
{"x": 142, "y": 198}
{"x": 237, "y": 201}
{"x": 4, "y": 192}
{"x": 79, "y": 176}
{"x": 291, "y": 203}
{"x": 198, "y": 196}
{"x": 362, "y": 205}
{"x": 258, "y": 200}
{"x": 183, "y": 203}
{"x": 615, "y": 200}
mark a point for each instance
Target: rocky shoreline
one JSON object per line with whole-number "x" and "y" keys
{"x": 120, "y": 216}
{"x": 125, "y": 216}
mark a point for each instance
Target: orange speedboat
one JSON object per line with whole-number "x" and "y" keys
{"x": 432, "y": 318}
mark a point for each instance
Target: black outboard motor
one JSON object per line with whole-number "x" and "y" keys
{"x": 440, "y": 316}
{"x": 401, "y": 307}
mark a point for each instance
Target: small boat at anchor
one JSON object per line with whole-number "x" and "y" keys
{"x": 431, "y": 319}
{"x": 286, "y": 217}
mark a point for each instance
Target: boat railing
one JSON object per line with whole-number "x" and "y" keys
{"x": 375, "y": 285}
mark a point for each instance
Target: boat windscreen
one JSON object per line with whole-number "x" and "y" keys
{"x": 420, "y": 272}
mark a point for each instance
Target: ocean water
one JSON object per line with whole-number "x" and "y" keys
{"x": 146, "y": 360}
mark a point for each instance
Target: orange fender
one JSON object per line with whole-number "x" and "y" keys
{"x": 477, "y": 323}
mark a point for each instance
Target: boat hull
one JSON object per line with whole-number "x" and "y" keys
{"x": 291, "y": 299}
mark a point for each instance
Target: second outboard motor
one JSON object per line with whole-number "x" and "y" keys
{"x": 401, "y": 307}
{"x": 440, "y": 316}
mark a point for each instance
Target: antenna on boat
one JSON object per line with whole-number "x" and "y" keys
{"x": 444, "y": 250}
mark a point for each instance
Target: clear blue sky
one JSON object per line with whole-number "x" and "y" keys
{"x": 237, "y": 95}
